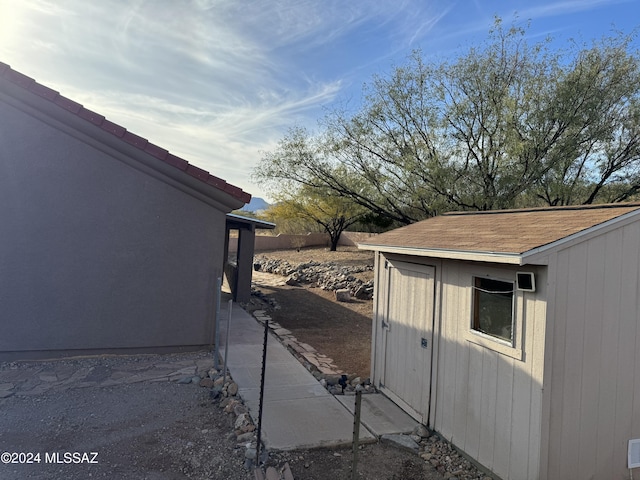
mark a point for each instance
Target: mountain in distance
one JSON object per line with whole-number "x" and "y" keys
{"x": 255, "y": 205}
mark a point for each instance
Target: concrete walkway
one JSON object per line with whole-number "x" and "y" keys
{"x": 297, "y": 411}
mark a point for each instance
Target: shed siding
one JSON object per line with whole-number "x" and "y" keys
{"x": 595, "y": 337}
{"x": 490, "y": 404}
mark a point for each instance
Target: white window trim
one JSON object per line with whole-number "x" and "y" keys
{"x": 511, "y": 349}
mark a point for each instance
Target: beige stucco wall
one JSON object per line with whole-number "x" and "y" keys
{"x": 95, "y": 254}
{"x": 286, "y": 241}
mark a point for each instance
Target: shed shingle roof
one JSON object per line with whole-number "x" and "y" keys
{"x": 30, "y": 85}
{"x": 500, "y": 231}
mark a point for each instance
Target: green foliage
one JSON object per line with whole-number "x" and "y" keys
{"x": 305, "y": 208}
{"x": 506, "y": 125}
{"x": 288, "y": 221}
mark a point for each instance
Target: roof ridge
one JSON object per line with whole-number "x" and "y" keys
{"x": 29, "y": 84}
{"x": 546, "y": 209}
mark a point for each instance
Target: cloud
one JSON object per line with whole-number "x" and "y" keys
{"x": 566, "y": 7}
{"x": 426, "y": 27}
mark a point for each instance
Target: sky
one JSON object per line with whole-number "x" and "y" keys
{"x": 219, "y": 82}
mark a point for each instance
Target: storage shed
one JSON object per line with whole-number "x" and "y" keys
{"x": 515, "y": 334}
{"x": 109, "y": 243}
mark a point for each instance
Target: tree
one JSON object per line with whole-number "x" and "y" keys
{"x": 332, "y": 213}
{"x": 599, "y": 158}
{"x": 508, "y": 124}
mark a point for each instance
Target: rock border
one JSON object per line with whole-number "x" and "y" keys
{"x": 224, "y": 391}
{"x": 449, "y": 462}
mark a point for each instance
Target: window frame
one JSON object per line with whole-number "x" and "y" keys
{"x": 511, "y": 348}
{"x": 477, "y": 295}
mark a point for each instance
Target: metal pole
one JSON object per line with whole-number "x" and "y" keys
{"x": 216, "y": 362}
{"x": 264, "y": 364}
{"x": 356, "y": 432}
{"x": 226, "y": 343}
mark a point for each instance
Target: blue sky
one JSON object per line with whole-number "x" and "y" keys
{"x": 220, "y": 81}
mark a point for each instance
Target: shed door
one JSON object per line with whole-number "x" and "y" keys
{"x": 407, "y": 336}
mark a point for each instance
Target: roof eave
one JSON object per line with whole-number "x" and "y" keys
{"x": 240, "y": 221}
{"x": 42, "y": 102}
{"x": 540, "y": 254}
{"x": 492, "y": 257}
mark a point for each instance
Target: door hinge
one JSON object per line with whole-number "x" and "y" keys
{"x": 424, "y": 343}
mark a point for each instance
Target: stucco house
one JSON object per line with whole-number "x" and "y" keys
{"x": 109, "y": 243}
{"x": 516, "y": 335}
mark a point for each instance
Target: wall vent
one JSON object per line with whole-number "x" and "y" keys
{"x": 634, "y": 453}
{"x": 526, "y": 281}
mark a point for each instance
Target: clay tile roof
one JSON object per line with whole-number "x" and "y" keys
{"x": 30, "y": 85}
{"x": 90, "y": 116}
{"x": 500, "y": 231}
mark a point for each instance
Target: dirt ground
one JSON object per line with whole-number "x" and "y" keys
{"x": 339, "y": 330}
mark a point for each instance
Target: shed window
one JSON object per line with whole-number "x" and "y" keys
{"x": 493, "y": 308}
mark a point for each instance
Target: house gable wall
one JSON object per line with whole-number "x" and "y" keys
{"x": 95, "y": 254}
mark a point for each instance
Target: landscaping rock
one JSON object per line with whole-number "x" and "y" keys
{"x": 206, "y": 382}
{"x": 218, "y": 382}
{"x": 250, "y": 453}
{"x": 421, "y": 430}
{"x": 239, "y": 409}
{"x": 327, "y": 276}
{"x": 343, "y": 295}
{"x": 232, "y": 389}
{"x": 242, "y": 421}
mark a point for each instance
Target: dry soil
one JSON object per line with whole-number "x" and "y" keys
{"x": 339, "y": 330}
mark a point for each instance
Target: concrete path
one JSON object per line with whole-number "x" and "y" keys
{"x": 297, "y": 411}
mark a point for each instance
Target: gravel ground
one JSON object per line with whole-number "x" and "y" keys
{"x": 145, "y": 430}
